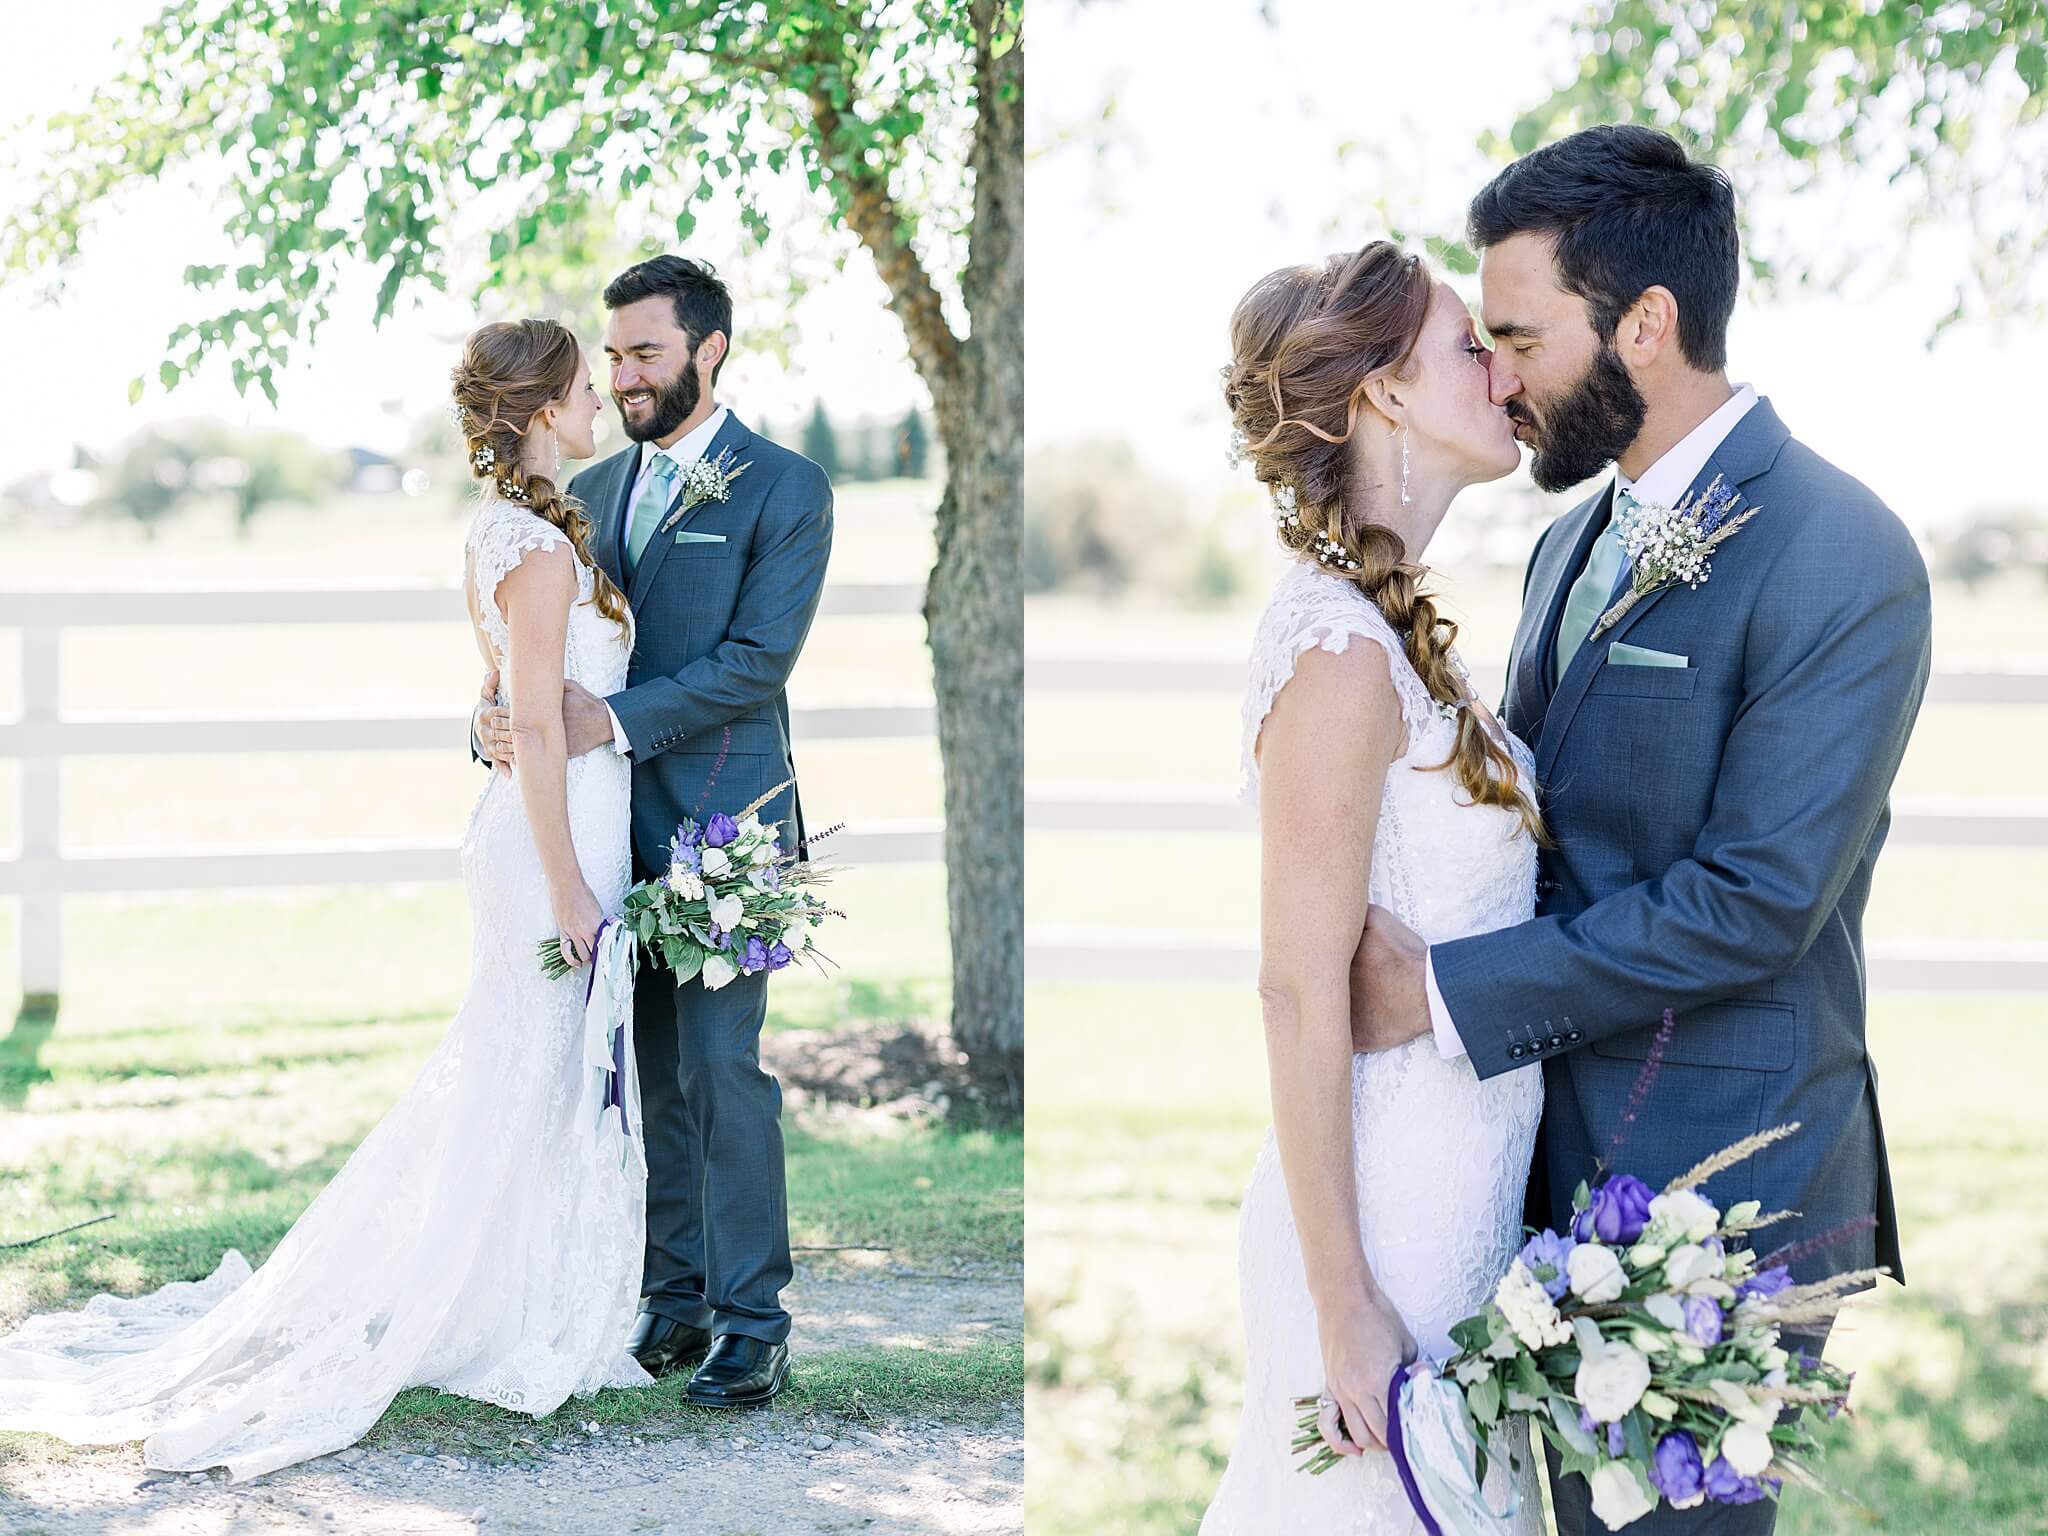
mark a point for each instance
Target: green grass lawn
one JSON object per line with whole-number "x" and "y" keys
{"x": 1147, "y": 1105}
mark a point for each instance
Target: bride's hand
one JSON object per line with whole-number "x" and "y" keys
{"x": 1364, "y": 1344}
{"x": 577, "y": 919}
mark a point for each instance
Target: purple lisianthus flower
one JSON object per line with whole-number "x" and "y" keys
{"x": 756, "y": 956}
{"x": 1766, "y": 1282}
{"x": 1619, "y": 1212}
{"x": 1617, "y": 1442}
{"x": 720, "y": 830}
{"x": 779, "y": 955}
{"x": 1703, "y": 1320}
{"x": 1547, "y": 1248}
{"x": 1725, "y": 1485}
{"x": 1675, "y": 1469}
{"x": 688, "y": 835}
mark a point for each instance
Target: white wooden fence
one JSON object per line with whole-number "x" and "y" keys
{"x": 1054, "y": 953}
{"x": 43, "y": 873}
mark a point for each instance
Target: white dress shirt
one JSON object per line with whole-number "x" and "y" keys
{"x": 1664, "y": 482}
{"x": 685, "y": 451}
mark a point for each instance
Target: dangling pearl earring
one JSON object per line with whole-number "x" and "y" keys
{"x": 1405, "y": 497}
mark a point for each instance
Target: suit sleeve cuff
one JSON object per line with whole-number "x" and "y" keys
{"x": 1448, "y": 1045}
{"x": 620, "y": 744}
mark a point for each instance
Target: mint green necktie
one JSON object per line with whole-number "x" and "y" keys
{"x": 661, "y": 480}
{"x": 1590, "y": 593}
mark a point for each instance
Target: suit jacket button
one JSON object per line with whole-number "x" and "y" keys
{"x": 1516, "y": 1050}
{"x": 1576, "y": 1035}
{"x": 1556, "y": 1042}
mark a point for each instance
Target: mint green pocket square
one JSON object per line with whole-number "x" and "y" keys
{"x": 689, "y": 537}
{"x": 1620, "y": 654}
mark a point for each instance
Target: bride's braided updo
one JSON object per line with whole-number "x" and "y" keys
{"x": 1305, "y": 343}
{"x": 510, "y": 371}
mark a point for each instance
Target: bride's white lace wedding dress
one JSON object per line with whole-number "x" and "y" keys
{"x": 486, "y": 1236}
{"x": 1441, "y": 1158}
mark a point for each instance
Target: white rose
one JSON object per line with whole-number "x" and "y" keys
{"x": 715, "y": 863}
{"x": 1595, "y": 1273}
{"x": 1747, "y": 1448}
{"x": 1686, "y": 1213}
{"x": 718, "y": 971}
{"x": 1667, "y": 1309}
{"x": 1618, "y": 1497}
{"x": 1688, "y": 1264}
{"x": 1612, "y": 1376}
{"x": 726, "y": 912}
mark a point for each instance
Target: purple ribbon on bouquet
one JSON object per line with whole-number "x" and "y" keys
{"x": 615, "y": 1075}
{"x": 1399, "y": 1452}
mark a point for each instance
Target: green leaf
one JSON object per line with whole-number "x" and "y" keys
{"x": 1452, "y": 255}
{"x": 686, "y": 224}
{"x": 168, "y": 373}
{"x": 1566, "y": 1418}
{"x": 1485, "y": 1400}
{"x": 134, "y": 390}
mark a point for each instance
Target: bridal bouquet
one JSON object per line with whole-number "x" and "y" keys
{"x": 1643, "y": 1342}
{"x": 732, "y": 903}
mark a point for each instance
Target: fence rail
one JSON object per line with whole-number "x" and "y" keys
{"x": 43, "y": 873}
{"x": 1151, "y": 957}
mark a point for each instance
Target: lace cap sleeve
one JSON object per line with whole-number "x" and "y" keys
{"x": 503, "y": 536}
{"x": 1311, "y": 610}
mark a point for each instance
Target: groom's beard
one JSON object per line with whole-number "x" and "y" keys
{"x": 670, "y": 408}
{"x": 1589, "y": 428}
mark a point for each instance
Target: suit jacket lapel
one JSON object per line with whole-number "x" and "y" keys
{"x": 606, "y": 507}
{"x": 732, "y": 435}
{"x": 1743, "y": 455}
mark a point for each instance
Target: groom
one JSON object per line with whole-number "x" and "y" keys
{"x": 723, "y": 594}
{"x": 1715, "y": 765}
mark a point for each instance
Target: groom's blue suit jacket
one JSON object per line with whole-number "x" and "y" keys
{"x": 1716, "y": 825}
{"x": 720, "y": 618}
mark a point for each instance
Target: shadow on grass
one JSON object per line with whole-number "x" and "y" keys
{"x": 21, "y": 1051}
{"x": 1970, "y": 1455}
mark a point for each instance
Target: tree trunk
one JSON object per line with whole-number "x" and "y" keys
{"x": 974, "y": 607}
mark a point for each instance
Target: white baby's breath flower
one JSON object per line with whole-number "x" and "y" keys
{"x": 685, "y": 884}
{"x": 1528, "y": 1309}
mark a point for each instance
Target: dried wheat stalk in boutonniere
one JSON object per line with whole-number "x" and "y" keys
{"x": 1672, "y": 544}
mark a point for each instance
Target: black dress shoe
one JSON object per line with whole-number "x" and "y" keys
{"x": 739, "y": 1373}
{"x": 661, "y": 1344}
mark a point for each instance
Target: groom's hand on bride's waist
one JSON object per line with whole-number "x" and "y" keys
{"x": 586, "y": 722}
{"x": 1389, "y": 1003}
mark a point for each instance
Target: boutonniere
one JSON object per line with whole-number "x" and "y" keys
{"x": 1667, "y": 545}
{"x": 706, "y": 480}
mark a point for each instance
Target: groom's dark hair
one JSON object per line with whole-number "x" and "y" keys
{"x": 703, "y": 304}
{"x": 1625, "y": 210}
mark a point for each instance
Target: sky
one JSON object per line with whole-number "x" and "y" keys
{"x": 69, "y": 362}
{"x": 1236, "y": 147}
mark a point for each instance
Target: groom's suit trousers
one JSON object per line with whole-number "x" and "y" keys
{"x": 718, "y": 1214}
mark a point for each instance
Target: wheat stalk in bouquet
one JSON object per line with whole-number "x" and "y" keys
{"x": 1644, "y": 1344}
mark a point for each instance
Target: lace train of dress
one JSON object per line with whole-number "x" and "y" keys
{"x": 1441, "y": 1158}
{"x": 484, "y": 1239}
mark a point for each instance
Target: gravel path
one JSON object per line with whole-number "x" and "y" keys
{"x": 772, "y": 1473}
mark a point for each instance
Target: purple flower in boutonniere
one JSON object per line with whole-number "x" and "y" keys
{"x": 1668, "y": 545}
{"x": 706, "y": 480}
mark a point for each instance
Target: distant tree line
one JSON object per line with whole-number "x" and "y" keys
{"x": 868, "y": 450}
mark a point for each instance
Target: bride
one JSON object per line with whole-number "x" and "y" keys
{"x": 485, "y": 1238}
{"x": 1387, "y": 1199}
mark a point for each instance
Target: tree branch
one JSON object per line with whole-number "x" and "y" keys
{"x": 873, "y": 216}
